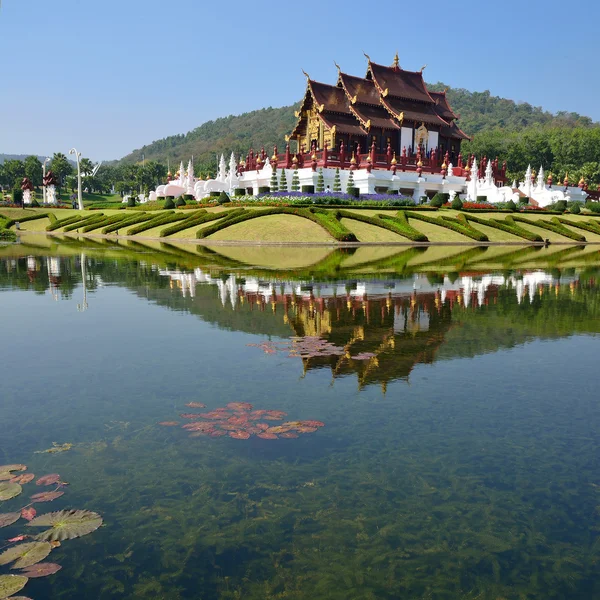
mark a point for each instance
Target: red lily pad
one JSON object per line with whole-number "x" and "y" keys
{"x": 23, "y": 479}
{"x": 313, "y": 423}
{"x": 217, "y": 433}
{"x": 266, "y": 436}
{"x": 190, "y": 416}
{"x": 41, "y": 570}
{"x": 46, "y": 496}
{"x": 289, "y": 435}
{"x": 239, "y": 435}
{"x": 29, "y": 513}
{"x": 51, "y": 479}
{"x": 239, "y": 406}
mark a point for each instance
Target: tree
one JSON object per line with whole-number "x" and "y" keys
{"x": 283, "y": 186}
{"x": 33, "y": 170}
{"x": 61, "y": 167}
{"x": 295, "y": 181}
{"x": 320, "y": 182}
{"x": 273, "y": 183}
{"x": 86, "y": 166}
{"x": 350, "y": 183}
{"x": 14, "y": 172}
{"x": 337, "y": 184}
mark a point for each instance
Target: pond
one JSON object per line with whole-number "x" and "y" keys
{"x": 407, "y": 424}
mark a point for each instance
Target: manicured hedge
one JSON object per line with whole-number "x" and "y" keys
{"x": 394, "y": 224}
{"x": 162, "y": 219}
{"x": 104, "y": 222}
{"x": 452, "y": 224}
{"x": 199, "y": 219}
{"x": 87, "y": 221}
{"x": 62, "y": 222}
{"x": 325, "y": 219}
{"x": 554, "y": 227}
{"x": 35, "y": 217}
{"x": 590, "y": 226}
{"x": 128, "y": 221}
{"x": 509, "y": 226}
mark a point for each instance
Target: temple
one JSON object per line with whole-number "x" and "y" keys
{"x": 388, "y": 113}
{"x": 385, "y": 133}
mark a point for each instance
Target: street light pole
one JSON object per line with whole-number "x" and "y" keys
{"x": 79, "y": 192}
{"x": 47, "y": 160}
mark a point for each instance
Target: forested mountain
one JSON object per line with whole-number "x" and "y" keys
{"x": 518, "y": 132}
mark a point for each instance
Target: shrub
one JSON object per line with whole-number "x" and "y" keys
{"x": 440, "y": 199}
{"x": 214, "y": 194}
{"x": 129, "y": 220}
{"x": 6, "y": 235}
{"x": 95, "y": 218}
{"x": 169, "y": 204}
{"x": 239, "y": 192}
{"x": 224, "y": 198}
{"x": 509, "y": 226}
{"x": 523, "y": 200}
{"x": 353, "y": 191}
{"x": 575, "y": 209}
{"x": 131, "y": 201}
{"x": 461, "y": 226}
{"x": 308, "y": 189}
{"x": 180, "y": 201}
{"x": 511, "y": 205}
{"x": 590, "y": 226}
{"x": 188, "y": 197}
{"x": 17, "y": 196}
{"x": 161, "y": 219}
{"x": 397, "y": 225}
{"x": 560, "y": 206}
{"x": 320, "y": 182}
{"x": 264, "y": 189}
{"x": 592, "y": 206}
{"x": 320, "y": 216}
{"x": 457, "y": 203}
{"x": 337, "y": 184}
{"x": 555, "y": 226}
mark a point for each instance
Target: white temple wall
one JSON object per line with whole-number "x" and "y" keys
{"x": 434, "y": 140}
{"x": 406, "y": 138}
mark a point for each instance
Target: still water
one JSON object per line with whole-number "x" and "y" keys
{"x": 459, "y": 457}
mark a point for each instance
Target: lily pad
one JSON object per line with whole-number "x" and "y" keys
{"x": 9, "y": 468}
{"x": 25, "y": 555}
{"x": 41, "y": 570}
{"x": 46, "y": 496}
{"x": 51, "y": 479}
{"x": 67, "y": 524}
{"x": 9, "y": 490}
{"x": 7, "y": 519}
{"x": 11, "y": 584}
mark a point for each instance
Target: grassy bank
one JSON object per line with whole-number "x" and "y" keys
{"x": 316, "y": 225}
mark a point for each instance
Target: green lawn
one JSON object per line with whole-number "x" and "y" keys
{"x": 289, "y": 228}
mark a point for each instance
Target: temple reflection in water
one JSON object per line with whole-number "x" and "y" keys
{"x": 382, "y": 326}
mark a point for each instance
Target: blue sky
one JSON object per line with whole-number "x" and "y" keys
{"x": 110, "y": 76}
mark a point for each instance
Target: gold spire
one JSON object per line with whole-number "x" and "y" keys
{"x": 396, "y": 64}
{"x": 394, "y": 161}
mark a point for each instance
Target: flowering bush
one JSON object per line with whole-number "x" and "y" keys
{"x": 531, "y": 208}
{"x": 480, "y": 205}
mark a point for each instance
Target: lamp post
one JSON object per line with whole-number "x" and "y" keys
{"x": 47, "y": 160}
{"x": 79, "y": 193}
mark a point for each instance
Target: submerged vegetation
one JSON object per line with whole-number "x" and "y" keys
{"x": 435, "y": 476}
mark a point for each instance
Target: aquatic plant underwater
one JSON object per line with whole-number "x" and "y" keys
{"x": 62, "y": 525}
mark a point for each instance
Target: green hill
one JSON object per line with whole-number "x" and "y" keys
{"x": 480, "y": 112}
